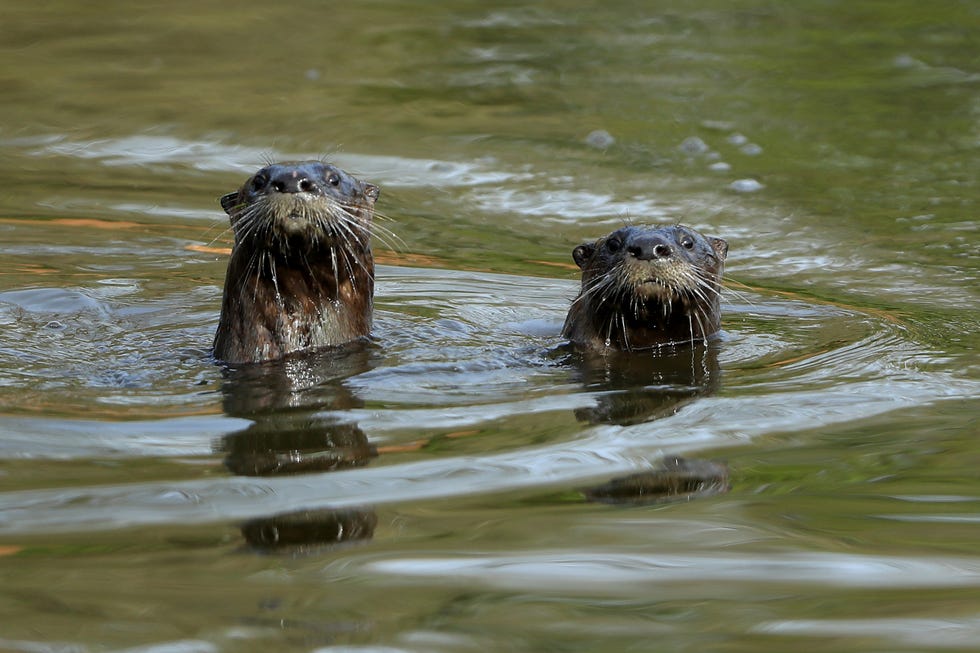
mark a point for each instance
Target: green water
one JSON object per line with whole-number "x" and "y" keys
{"x": 834, "y": 145}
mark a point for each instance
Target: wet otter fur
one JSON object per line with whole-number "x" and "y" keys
{"x": 645, "y": 286}
{"x": 301, "y": 272}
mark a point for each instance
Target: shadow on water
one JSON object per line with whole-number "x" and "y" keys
{"x": 287, "y": 436}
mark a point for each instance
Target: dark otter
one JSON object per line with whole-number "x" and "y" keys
{"x": 646, "y": 286}
{"x": 301, "y": 273}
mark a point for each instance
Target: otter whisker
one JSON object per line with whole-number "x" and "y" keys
{"x": 345, "y": 253}
{"x": 275, "y": 280}
{"x": 247, "y": 227}
{"x": 259, "y": 265}
{"x": 694, "y": 318}
{"x": 220, "y": 236}
{"x": 387, "y": 237}
{"x": 336, "y": 271}
{"x": 728, "y": 290}
{"x": 346, "y": 225}
{"x": 602, "y": 284}
{"x": 626, "y": 336}
{"x": 348, "y": 236}
{"x": 609, "y": 328}
{"x": 243, "y": 282}
{"x": 348, "y": 267}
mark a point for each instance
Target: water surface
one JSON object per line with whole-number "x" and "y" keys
{"x": 425, "y": 492}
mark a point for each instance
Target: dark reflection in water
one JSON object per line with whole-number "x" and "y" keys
{"x": 293, "y": 405}
{"x": 286, "y": 444}
{"x": 311, "y": 381}
{"x": 676, "y": 479}
{"x": 287, "y": 436}
{"x": 309, "y": 530}
{"x": 639, "y": 387}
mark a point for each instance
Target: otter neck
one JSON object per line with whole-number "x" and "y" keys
{"x": 654, "y": 323}
{"x": 276, "y": 303}
{"x": 642, "y": 325}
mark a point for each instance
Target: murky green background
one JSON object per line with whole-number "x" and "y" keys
{"x": 834, "y": 144}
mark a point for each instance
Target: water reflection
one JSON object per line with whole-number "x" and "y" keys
{"x": 287, "y": 444}
{"x": 639, "y": 387}
{"x": 675, "y": 479}
{"x": 313, "y": 381}
{"x": 288, "y": 436}
{"x": 309, "y": 530}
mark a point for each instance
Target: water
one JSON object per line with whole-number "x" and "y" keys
{"x": 427, "y": 492}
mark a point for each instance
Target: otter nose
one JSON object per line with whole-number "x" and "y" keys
{"x": 292, "y": 181}
{"x": 649, "y": 248}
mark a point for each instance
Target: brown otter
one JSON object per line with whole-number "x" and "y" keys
{"x": 646, "y": 286}
{"x": 301, "y": 273}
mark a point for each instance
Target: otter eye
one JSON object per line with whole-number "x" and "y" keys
{"x": 614, "y": 245}
{"x": 259, "y": 181}
{"x": 333, "y": 179}
{"x": 687, "y": 242}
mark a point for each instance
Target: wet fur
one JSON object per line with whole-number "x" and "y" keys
{"x": 627, "y": 303}
{"x": 301, "y": 273}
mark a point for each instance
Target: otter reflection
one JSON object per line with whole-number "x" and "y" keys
{"x": 285, "y": 445}
{"x": 289, "y": 434}
{"x": 306, "y": 530}
{"x": 675, "y": 479}
{"x": 636, "y": 387}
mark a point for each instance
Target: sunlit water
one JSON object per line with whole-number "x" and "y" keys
{"x": 425, "y": 491}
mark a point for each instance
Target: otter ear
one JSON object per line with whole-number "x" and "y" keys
{"x": 229, "y": 202}
{"x": 583, "y": 253}
{"x": 372, "y": 191}
{"x": 720, "y": 246}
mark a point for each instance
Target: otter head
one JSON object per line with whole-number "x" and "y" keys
{"x": 306, "y": 203}
{"x": 647, "y": 285}
{"x": 663, "y": 263}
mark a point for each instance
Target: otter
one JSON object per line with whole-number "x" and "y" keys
{"x": 644, "y": 286}
{"x": 301, "y": 272}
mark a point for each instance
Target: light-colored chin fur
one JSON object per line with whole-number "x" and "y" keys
{"x": 292, "y": 214}
{"x": 289, "y": 218}
{"x": 653, "y": 290}
{"x": 653, "y": 281}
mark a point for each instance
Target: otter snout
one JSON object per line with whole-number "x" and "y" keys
{"x": 649, "y": 247}
{"x": 291, "y": 180}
